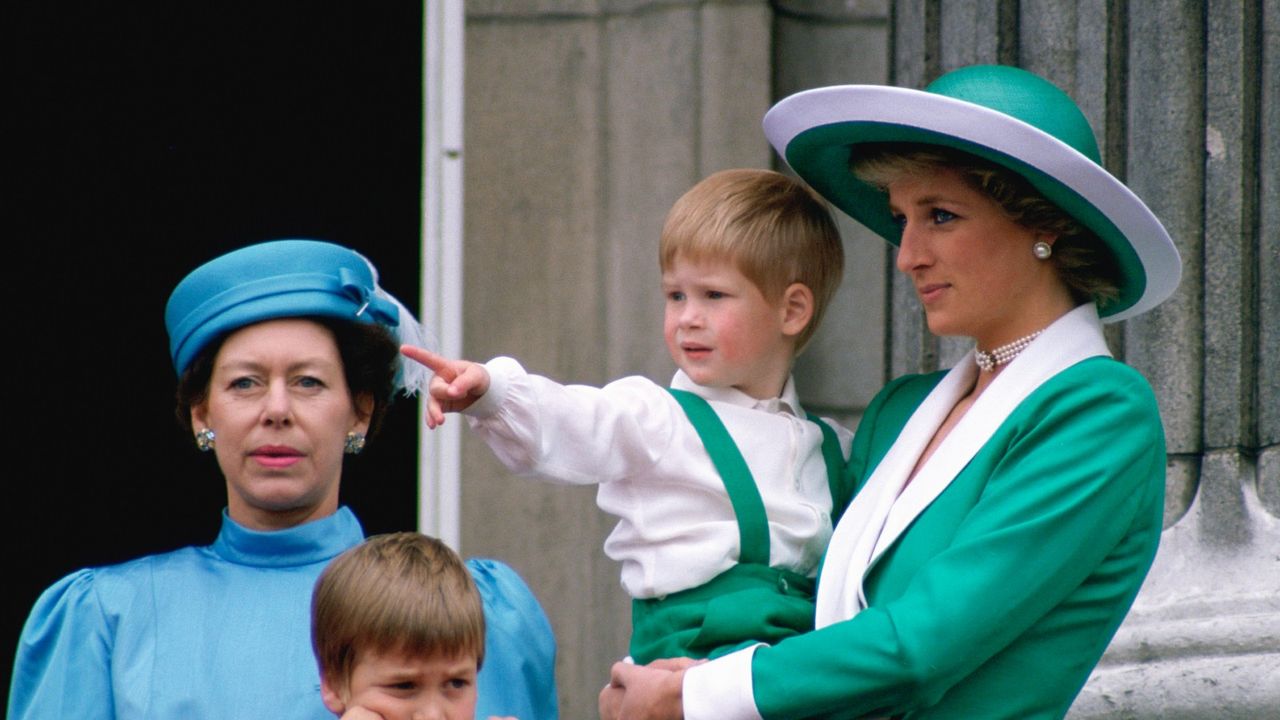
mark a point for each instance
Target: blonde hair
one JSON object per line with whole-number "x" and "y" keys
{"x": 774, "y": 229}
{"x": 404, "y": 592}
{"x": 1083, "y": 262}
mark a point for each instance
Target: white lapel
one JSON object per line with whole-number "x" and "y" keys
{"x": 878, "y": 516}
{"x": 856, "y": 536}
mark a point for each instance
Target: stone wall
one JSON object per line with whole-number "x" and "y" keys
{"x": 1204, "y": 636}
{"x": 586, "y": 119}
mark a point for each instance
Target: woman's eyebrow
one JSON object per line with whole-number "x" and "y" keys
{"x": 253, "y": 364}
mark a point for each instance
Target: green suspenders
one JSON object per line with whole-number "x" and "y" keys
{"x": 751, "y": 601}
{"x": 840, "y": 495}
{"x": 753, "y": 524}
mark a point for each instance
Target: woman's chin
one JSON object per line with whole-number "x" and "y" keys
{"x": 279, "y": 503}
{"x": 941, "y": 327}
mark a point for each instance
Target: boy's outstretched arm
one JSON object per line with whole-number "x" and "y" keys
{"x": 456, "y": 384}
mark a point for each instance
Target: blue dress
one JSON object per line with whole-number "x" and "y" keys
{"x": 223, "y": 631}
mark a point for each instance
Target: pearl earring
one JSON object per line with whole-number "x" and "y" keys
{"x": 1042, "y": 250}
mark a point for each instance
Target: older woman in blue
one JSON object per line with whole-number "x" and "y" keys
{"x": 286, "y": 363}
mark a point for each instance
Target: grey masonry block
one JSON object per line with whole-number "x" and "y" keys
{"x": 1269, "y": 234}
{"x": 1049, "y": 42}
{"x": 532, "y": 146}
{"x": 1182, "y": 480}
{"x": 1201, "y": 638}
{"x": 1230, "y": 249}
{"x": 913, "y": 64}
{"x": 1269, "y": 479}
{"x": 734, "y": 71}
{"x": 1166, "y": 137}
{"x": 651, "y": 121}
{"x": 970, "y": 33}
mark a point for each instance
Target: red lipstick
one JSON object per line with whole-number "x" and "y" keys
{"x": 276, "y": 456}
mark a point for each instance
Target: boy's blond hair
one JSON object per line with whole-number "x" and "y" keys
{"x": 400, "y": 593}
{"x": 773, "y": 228}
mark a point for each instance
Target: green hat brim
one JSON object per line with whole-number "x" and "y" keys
{"x": 816, "y": 131}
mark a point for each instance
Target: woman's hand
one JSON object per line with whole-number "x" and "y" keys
{"x": 673, "y": 664}
{"x": 457, "y": 384}
{"x": 651, "y": 692}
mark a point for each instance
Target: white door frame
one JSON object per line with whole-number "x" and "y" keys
{"x": 439, "y": 451}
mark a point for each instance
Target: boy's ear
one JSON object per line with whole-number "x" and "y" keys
{"x": 797, "y": 308}
{"x": 331, "y": 696}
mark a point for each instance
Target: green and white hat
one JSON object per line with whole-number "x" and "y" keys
{"x": 1003, "y": 114}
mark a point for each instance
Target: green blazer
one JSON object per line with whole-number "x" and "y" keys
{"x": 991, "y": 585}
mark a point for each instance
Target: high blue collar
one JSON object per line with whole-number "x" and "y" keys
{"x": 316, "y": 541}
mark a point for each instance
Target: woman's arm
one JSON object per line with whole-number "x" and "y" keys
{"x": 62, "y": 668}
{"x": 518, "y": 674}
{"x": 1063, "y": 503}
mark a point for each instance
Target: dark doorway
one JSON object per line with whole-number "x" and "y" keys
{"x": 150, "y": 137}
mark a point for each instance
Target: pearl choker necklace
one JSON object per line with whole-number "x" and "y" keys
{"x": 989, "y": 361}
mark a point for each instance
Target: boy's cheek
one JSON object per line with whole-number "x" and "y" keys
{"x": 467, "y": 705}
{"x": 379, "y": 705}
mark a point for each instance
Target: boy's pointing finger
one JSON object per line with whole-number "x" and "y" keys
{"x": 434, "y": 362}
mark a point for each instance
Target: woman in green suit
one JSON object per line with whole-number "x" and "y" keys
{"x": 1008, "y": 509}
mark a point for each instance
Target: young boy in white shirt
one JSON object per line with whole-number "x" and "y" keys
{"x": 724, "y": 488}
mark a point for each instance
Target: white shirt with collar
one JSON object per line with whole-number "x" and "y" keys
{"x": 676, "y": 527}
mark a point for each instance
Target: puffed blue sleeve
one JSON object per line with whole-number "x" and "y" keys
{"x": 518, "y": 675}
{"x": 62, "y": 669}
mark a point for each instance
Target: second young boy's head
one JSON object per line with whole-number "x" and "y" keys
{"x": 776, "y": 238}
{"x": 397, "y": 626}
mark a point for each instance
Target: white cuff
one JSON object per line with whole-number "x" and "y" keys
{"x": 501, "y": 370}
{"x": 721, "y": 689}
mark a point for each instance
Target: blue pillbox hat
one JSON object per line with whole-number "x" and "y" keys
{"x": 277, "y": 279}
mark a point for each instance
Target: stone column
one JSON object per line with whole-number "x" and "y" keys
{"x": 1203, "y": 639}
